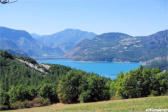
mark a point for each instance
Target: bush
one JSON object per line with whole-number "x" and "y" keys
{"x": 142, "y": 83}
{"x": 36, "y": 102}
{"x": 69, "y": 87}
{"x": 159, "y": 84}
{"x": 85, "y": 97}
{"x": 4, "y": 98}
{"x": 44, "y": 101}
{"x": 78, "y": 86}
{"x": 22, "y": 93}
{"x": 49, "y": 91}
{"x": 115, "y": 86}
{"x": 97, "y": 90}
{"x": 19, "y": 105}
{"x": 4, "y": 107}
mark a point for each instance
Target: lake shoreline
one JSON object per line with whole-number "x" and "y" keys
{"x": 85, "y": 61}
{"x": 103, "y": 68}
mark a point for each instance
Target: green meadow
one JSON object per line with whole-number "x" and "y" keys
{"x": 127, "y": 105}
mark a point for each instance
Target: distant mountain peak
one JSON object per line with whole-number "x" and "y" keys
{"x": 14, "y": 34}
{"x": 164, "y": 32}
{"x": 71, "y": 29}
{"x": 115, "y": 34}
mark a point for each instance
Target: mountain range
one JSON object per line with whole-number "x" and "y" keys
{"x": 121, "y": 47}
{"x": 86, "y": 46}
{"x": 66, "y": 40}
{"x": 34, "y": 45}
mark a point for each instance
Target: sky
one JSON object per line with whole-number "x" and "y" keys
{"x": 134, "y": 17}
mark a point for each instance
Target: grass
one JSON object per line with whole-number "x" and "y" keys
{"x": 128, "y": 105}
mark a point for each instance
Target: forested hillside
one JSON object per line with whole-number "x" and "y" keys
{"x": 161, "y": 62}
{"x": 24, "y": 83}
{"x": 120, "y": 47}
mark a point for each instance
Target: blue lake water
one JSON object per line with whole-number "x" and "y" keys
{"x": 107, "y": 69}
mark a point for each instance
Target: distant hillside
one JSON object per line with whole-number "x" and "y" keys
{"x": 65, "y": 40}
{"x": 17, "y": 52}
{"x": 19, "y": 40}
{"x": 86, "y": 46}
{"x": 161, "y": 62}
{"x": 121, "y": 47}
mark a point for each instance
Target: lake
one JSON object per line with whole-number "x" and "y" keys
{"x": 107, "y": 69}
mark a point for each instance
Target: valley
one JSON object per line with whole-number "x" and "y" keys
{"x": 86, "y": 46}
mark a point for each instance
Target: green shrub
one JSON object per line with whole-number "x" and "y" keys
{"x": 22, "y": 93}
{"x": 19, "y": 105}
{"x": 142, "y": 83}
{"x": 97, "y": 90}
{"x": 159, "y": 84}
{"x": 44, "y": 101}
{"x": 37, "y": 102}
{"x": 69, "y": 87}
{"x": 4, "y": 107}
{"x": 4, "y": 98}
{"x": 49, "y": 91}
{"x": 78, "y": 86}
{"x": 85, "y": 97}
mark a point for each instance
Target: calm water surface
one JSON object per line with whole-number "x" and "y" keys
{"x": 107, "y": 69}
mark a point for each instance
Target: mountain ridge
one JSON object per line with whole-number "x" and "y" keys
{"x": 66, "y": 39}
{"x": 121, "y": 47}
{"x": 86, "y": 46}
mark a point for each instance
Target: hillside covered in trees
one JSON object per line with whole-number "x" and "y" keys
{"x": 161, "y": 62}
{"x": 24, "y": 83}
{"x": 120, "y": 47}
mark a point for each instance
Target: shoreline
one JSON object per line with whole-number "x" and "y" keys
{"x": 70, "y": 59}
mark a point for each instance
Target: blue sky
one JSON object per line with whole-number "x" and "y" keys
{"x": 135, "y": 17}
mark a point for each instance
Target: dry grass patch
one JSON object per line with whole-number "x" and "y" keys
{"x": 128, "y": 105}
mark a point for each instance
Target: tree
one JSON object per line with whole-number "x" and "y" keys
{"x": 48, "y": 90}
{"x": 115, "y": 85}
{"x": 159, "y": 84}
{"x": 97, "y": 89}
{"x": 69, "y": 87}
{"x": 4, "y": 98}
{"x": 21, "y": 93}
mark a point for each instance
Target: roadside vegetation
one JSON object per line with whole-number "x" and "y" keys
{"x": 21, "y": 86}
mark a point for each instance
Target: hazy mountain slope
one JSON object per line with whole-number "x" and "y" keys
{"x": 121, "y": 47}
{"x": 161, "y": 62}
{"x": 11, "y": 39}
{"x": 66, "y": 40}
{"x": 18, "y": 39}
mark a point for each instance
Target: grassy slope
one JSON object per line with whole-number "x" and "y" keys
{"x": 129, "y": 105}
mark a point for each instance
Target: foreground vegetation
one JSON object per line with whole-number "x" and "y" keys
{"x": 24, "y": 83}
{"x": 128, "y": 105}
